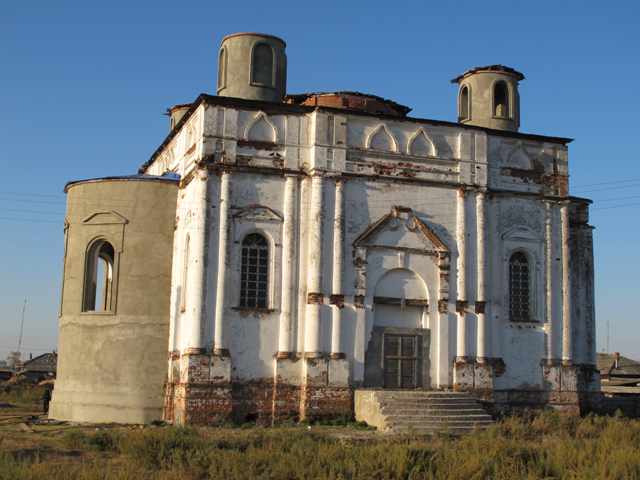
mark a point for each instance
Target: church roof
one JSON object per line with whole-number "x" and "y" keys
{"x": 279, "y": 108}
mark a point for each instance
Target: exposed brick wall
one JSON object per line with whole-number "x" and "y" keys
{"x": 324, "y": 402}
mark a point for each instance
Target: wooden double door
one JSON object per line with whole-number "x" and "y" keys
{"x": 400, "y": 353}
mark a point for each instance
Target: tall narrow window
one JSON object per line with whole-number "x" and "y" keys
{"x": 500, "y": 100}
{"x": 222, "y": 69}
{"x": 254, "y": 272}
{"x": 185, "y": 275}
{"x": 519, "y": 287}
{"x": 98, "y": 280}
{"x": 262, "y": 65}
{"x": 464, "y": 103}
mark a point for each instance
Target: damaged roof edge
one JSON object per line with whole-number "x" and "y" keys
{"x": 301, "y": 109}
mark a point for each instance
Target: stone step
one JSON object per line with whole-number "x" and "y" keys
{"x": 422, "y": 393}
{"x": 434, "y": 411}
{"x": 440, "y": 418}
{"x": 410, "y": 404}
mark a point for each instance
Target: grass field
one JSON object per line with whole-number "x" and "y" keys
{"x": 548, "y": 445}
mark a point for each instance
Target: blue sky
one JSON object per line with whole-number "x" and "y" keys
{"x": 84, "y": 85}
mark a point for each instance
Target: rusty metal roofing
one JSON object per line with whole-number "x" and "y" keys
{"x": 491, "y": 68}
{"x": 369, "y": 103}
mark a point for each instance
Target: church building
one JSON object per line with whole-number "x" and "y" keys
{"x": 280, "y": 256}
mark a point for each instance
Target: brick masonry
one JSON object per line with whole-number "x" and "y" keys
{"x": 200, "y": 391}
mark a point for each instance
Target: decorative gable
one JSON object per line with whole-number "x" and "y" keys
{"x": 401, "y": 229}
{"x": 382, "y": 140}
{"x": 260, "y": 129}
{"x": 105, "y": 218}
{"x": 420, "y": 145}
{"x": 257, "y": 213}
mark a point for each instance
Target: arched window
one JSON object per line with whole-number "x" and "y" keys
{"x": 519, "y": 287}
{"x": 262, "y": 65}
{"x": 222, "y": 69}
{"x": 464, "y": 103}
{"x": 254, "y": 275}
{"x": 98, "y": 278}
{"x": 500, "y": 100}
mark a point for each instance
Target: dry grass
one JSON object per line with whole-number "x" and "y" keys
{"x": 548, "y": 445}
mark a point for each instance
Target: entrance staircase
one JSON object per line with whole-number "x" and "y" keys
{"x": 420, "y": 412}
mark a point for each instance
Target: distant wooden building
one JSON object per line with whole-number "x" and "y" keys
{"x": 40, "y": 368}
{"x": 620, "y": 375}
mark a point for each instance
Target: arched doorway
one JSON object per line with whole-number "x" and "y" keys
{"x": 397, "y": 355}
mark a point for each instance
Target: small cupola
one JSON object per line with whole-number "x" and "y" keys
{"x": 488, "y": 97}
{"x": 252, "y": 66}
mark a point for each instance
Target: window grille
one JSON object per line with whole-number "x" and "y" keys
{"x": 519, "y": 287}
{"x": 254, "y": 272}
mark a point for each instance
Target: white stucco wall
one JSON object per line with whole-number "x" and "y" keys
{"x": 384, "y": 163}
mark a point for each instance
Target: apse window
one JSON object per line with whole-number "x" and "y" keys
{"x": 262, "y": 65}
{"x": 500, "y": 100}
{"x": 98, "y": 283}
{"x": 254, "y": 272}
{"x": 519, "y": 290}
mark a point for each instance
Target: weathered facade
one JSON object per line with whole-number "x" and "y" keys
{"x": 328, "y": 242}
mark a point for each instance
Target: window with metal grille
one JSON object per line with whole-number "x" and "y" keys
{"x": 254, "y": 272}
{"x": 519, "y": 287}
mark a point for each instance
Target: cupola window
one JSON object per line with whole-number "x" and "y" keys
{"x": 262, "y": 65}
{"x": 501, "y": 100}
{"x": 222, "y": 69}
{"x": 464, "y": 104}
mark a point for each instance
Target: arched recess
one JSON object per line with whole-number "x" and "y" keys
{"x": 222, "y": 69}
{"x": 464, "y": 103}
{"x": 400, "y": 297}
{"x": 262, "y": 65}
{"x": 501, "y": 100}
{"x": 420, "y": 145}
{"x": 260, "y": 129}
{"x": 381, "y": 139}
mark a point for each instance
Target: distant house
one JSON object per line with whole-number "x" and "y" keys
{"x": 620, "y": 375}
{"x": 40, "y": 368}
{"x": 5, "y": 373}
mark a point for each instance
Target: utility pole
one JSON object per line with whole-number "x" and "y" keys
{"x": 608, "y": 335}
{"x": 24, "y": 307}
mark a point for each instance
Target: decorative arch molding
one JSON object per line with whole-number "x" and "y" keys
{"x": 401, "y": 283}
{"x": 421, "y": 145}
{"x": 518, "y": 218}
{"x": 261, "y": 129}
{"x": 381, "y": 139}
{"x": 518, "y": 157}
{"x": 257, "y": 213}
